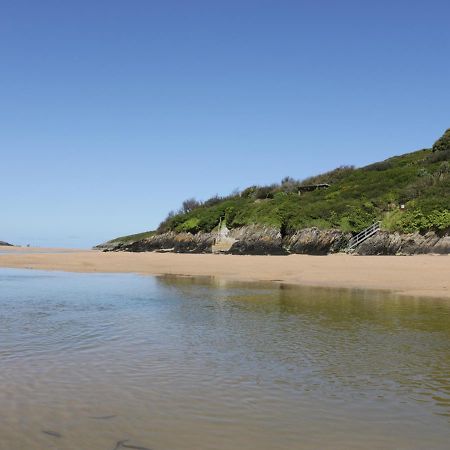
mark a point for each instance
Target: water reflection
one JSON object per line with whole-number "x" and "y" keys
{"x": 371, "y": 342}
{"x": 183, "y": 363}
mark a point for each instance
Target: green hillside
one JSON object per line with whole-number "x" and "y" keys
{"x": 354, "y": 199}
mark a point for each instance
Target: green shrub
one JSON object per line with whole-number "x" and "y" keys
{"x": 249, "y": 192}
{"x": 230, "y": 214}
{"x": 443, "y": 143}
{"x": 439, "y": 220}
{"x": 413, "y": 221}
{"x": 379, "y": 166}
{"x": 263, "y": 192}
{"x": 333, "y": 176}
{"x": 437, "y": 156}
{"x": 357, "y": 219}
{"x": 190, "y": 226}
{"x": 189, "y": 205}
{"x": 416, "y": 220}
{"x": 212, "y": 201}
{"x": 444, "y": 167}
{"x": 208, "y": 222}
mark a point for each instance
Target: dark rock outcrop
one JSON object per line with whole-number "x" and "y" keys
{"x": 312, "y": 241}
{"x": 108, "y": 246}
{"x": 5, "y": 244}
{"x": 174, "y": 242}
{"x": 261, "y": 240}
{"x": 384, "y": 243}
{"x": 250, "y": 240}
{"x": 257, "y": 240}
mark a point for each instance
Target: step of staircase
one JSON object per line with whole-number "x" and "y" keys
{"x": 363, "y": 236}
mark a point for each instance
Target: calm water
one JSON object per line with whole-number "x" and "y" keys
{"x": 181, "y": 364}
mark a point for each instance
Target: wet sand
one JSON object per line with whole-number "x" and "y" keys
{"x": 420, "y": 275}
{"x": 16, "y": 249}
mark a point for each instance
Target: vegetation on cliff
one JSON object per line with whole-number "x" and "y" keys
{"x": 132, "y": 237}
{"x": 354, "y": 199}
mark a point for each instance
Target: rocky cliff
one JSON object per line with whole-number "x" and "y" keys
{"x": 259, "y": 240}
{"x": 250, "y": 240}
{"x": 384, "y": 243}
{"x": 3, "y": 243}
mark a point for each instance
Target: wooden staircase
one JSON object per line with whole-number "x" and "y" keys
{"x": 363, "y": 235}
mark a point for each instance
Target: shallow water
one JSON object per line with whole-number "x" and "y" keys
{"x": 89, "y": 360}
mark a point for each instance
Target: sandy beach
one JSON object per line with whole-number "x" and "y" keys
{"x": 421, "y": 275}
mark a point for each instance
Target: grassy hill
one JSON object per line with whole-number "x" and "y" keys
{"x": 354, "y": 199}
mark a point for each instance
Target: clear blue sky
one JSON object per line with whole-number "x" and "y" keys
{"x": 113, "y": 112}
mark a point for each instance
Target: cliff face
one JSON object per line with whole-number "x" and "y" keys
{"x": 257, "y": 240}
{"x": 250, "y": 240}
{"x": 384, "y": 243}
{"x": 312, "y": 241}
{"x": 166, "y": 242}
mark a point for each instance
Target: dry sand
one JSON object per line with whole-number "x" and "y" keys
{"x": 421, "y": 275}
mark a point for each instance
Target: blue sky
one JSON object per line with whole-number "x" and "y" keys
{"x": 113, "y": 112}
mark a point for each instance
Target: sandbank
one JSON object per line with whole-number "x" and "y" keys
{"x": 420, "y": 275}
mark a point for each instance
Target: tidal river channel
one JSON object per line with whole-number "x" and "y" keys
{"x": 104, "y": 362}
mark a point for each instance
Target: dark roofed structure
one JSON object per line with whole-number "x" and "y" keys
{"x": 312, "y": 187}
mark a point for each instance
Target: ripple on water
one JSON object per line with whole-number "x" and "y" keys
{"x": 91, "y": 361}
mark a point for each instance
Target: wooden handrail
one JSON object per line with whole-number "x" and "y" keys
{"x": 363, "y": 235}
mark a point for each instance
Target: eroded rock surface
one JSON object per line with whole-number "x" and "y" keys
{"x": 260, "y": 240}
{"x": 257, "y": 240}
{"x": 250, "y": 240}
{"x": 312, "y": 241}
{"x": 384, "y": 243}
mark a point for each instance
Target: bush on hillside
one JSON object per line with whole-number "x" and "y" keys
{"x": 357, "y": 219}
{"x": 443, "y": 143}
{"x": 263, "y": 192}
{"x": 437, "y": 156}
{"x": 189, "y": 205}
{"x": 333, "y": 176}
{"x": 417, "y": 221}
{"x": 212, "y": 201}
{"x": 165, "y": 225}
{"x": 382, "y": 165}
{"x": 354, "y": 200}
{"x": 190, "y": 226}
